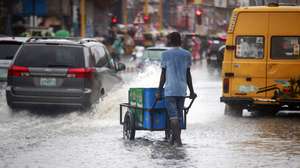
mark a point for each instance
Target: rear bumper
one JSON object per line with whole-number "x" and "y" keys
{"x": 257, "y": 102}
{"x": 236, "y": 100}
{"x": 78, "y": 101}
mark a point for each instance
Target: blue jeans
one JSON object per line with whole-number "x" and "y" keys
{"x": 174, "y": 106}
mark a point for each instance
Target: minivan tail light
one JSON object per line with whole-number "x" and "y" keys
{"x": 226, "y": 85}
{"x": 80, "y": 72}
{"x": 18, "y": 71}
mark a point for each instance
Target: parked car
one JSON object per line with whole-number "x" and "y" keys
{"x": 220, "y": 56}
{"x": 151, "y": 55}
{"x": 213, "y": 50}
{"x": 60, "y": 72}
{"x": 8, "y": 47}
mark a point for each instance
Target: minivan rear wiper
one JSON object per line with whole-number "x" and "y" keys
{"x": 9, "y": 57}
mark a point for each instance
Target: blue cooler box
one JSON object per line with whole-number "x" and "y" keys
{"x": 159, "y": 119}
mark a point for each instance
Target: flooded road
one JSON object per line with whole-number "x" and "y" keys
{"x": 59, "y": 138}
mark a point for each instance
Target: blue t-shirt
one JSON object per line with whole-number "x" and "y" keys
{"x": 176, "y": 61}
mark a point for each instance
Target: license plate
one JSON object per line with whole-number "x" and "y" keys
{"x": 3, "y": 74}
{"x": 48, "y": 82}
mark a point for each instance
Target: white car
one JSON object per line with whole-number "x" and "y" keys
{"x": 152, "y": 55}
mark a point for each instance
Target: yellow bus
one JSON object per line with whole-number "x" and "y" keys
{"x": 261, "y": 66}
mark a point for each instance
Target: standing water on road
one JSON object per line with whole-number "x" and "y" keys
{"x": 60, "y": 138}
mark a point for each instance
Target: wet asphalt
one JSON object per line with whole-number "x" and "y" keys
{"x": 46, "y": 138}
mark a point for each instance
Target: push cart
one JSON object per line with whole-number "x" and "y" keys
{"x": 144, "y": 112}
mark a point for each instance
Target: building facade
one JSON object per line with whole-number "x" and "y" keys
{"x": 18, "y": 16}
{"x": 93, "y": 17}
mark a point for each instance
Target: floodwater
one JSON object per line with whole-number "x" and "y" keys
{"x": 64, "y": 138}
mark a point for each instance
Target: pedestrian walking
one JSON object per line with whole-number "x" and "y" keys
{"x": 118, "y": 48}
{"x": 196, "y": 49}
{"x": 175, "y": 77}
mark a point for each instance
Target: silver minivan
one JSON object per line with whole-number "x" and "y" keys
{"x": 8, "y": 47}
{"x": 60, "y": 72}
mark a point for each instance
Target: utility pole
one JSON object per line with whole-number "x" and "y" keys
{"x": 186, "y": 14}
{"x": 161, "y": 15}
{"x": 146, "y": 13}
{"x": 125, "y": 14}
{"x": 82, "y": 18}
{"x": 33, "y": 17}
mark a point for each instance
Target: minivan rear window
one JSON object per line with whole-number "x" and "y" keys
{"x": 50, "y": 56}
{"x": 250, "y": 47}
{"x": 8, "y": 50}
{"x": 285, "y": 47}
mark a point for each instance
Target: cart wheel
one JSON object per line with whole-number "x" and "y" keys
{"x": 128, "y": 126}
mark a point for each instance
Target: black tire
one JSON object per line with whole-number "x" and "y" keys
{"x": 128, "y": 126}
{"x": 9, "y": 103}
{"x": 87, "y": 106}
{"x": 265, "y": 111}
{"x": 233, "y": 109}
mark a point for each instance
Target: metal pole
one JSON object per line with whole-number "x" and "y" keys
{"x": 82, "y": 18}
{"x": 33, "y": 13}
{"x": 160, "y": 15}
{"x": 146, "y": 14}
{"x": 186, "y": 15}
{"x": 125, "y": 10}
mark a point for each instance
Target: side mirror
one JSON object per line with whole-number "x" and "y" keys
{"x": 121, "y": 67}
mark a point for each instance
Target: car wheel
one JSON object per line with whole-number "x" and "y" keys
{"x": 265, "y": 111}
{"x": 233, "y": 109}
{"x": 9, "y": 102}
{"x": 87, "y": 106}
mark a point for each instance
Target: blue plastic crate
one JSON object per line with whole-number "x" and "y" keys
{"x": 149, "y": 99}
{"x": 158, "y": 120}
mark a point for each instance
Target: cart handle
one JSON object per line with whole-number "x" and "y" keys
{"x": 190, "y": 105}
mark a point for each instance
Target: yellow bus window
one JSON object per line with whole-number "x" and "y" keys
{"x": 250, "y": 47}
{"x": 285, "y": 47}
